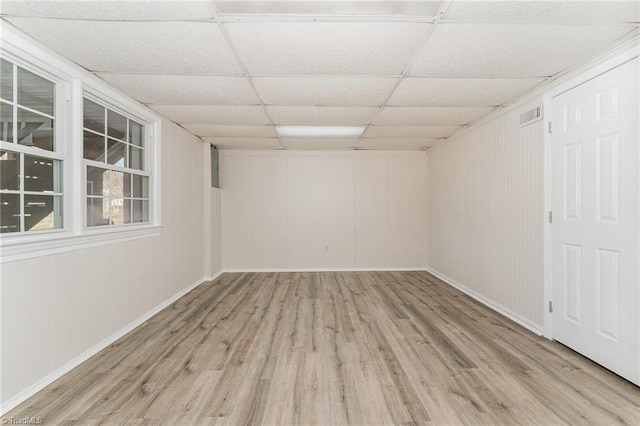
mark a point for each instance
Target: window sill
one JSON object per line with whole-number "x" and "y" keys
{"x": 30, "y": 246}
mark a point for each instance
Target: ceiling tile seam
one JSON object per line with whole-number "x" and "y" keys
{"x": 558, "y": 23}
{"x": 280, "y": 18}
{"x": 243, "y": 68}
{"x": 133, "y": 21}
{"x": 439, "y": 15}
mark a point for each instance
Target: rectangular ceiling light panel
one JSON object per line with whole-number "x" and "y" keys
{"x": 320, "y": 131}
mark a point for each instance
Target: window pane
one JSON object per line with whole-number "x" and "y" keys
{"x": 140, "y": 186}
{"x": 96, "y": 180}
{"x": 126, "y": 185}
{"x": 136, "y": 133}
{"x": 9, "y": 170}
{"x": 6, "y": 80}
{"x": 42, "y": 212}
{"x": 140, "y": 211}
{"x": 93, "y": 116}
{"x": 116, "y": 125}
{"x": 126, "y": 211}
{"x": 116, "y": 152}
{"x": 136, "y": 158}
{"x": 6, "y": 122}
{"x": 114, "y": 187}
{"x": 97, "y": 214}
{"x": 93, "y": 146}
{"x": 117, "y": 210}
{"x": 35, "y": 130}
{"x": 35, "y": 92}
{"x": 41, "y": 174}
{"x": 9, "y": 213}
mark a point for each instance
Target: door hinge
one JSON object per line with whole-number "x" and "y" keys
{"x": 550, "y": 129}
{"x": 550, "y": 217}
{"x": 550, "y": 306}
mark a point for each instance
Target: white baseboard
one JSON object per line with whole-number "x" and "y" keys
{"x": 214, "y": 276}
{"x": 517, "y": 318}
{"x": 382, "y": 269}
{"x": 18, "y": 399}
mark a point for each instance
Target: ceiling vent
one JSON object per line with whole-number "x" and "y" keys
{"x": 531, "y": 116}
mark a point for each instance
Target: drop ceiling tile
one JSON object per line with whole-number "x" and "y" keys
{"x": 469, "y": 92}
{"x": 321, "y": 116}
{"x": 320, "y": 143}
{"x": 184, "y": 90}
{"x": 106, "y": 10}
{"x": 230, "y": 131}
{"x": 326, "y": 48}
{"x": 229, "y": 115}
{"x": 358, "y": 7}
{"x": 415, "y": 116}
{"x": 159, "y": 47}
{"x": 399, "y": 144}
{"x": 510, "y": 50}
{"x": 589, "y": 11}
{"x": 244, "y": 143}
{"x": 324, "y": 91}
{"x": 402, "y": 132}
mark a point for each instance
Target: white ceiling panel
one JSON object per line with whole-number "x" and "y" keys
{"x": 326, "y": 48}
{"x": 321, "y": 116}
{"x": 410, "y": 132}
{"x": 229, "y": 115}
{"x": 459, "y": 91}
{"x": 352, "y": 7}
{"x": 244, "y": 143}
{"x": 324, "y": 91}
{"x": 588, "y": 11}
{"x": 510, "y": 50}
{"x": 230, "y": 131}
{"x": 400, "y": 144}
{"x": 414, "y": 116}
{"x": 107, "y": 10}
{"x": 184, "y": 90}
{"x": 159, "y": 47}
{"x": 326, "y": 143}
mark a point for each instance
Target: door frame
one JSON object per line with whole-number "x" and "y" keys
{"x": 612, "y": 60}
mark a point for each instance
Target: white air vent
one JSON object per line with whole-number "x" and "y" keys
{"x": 531, "y": 116}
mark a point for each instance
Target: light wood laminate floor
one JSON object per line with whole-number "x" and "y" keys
{"x": 334, "y": 349}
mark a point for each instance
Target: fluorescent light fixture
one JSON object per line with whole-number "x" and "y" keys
{"x": 320, "y": 131}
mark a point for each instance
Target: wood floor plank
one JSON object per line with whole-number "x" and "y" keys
{"x": 334, "y": 348}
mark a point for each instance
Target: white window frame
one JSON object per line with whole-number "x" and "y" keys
{"x": 148, "y": 150}
{"x": 60, "y": 151}
{"x": 72, "y": 84}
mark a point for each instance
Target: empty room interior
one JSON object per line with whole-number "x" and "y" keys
{"x": 319, "y": 212}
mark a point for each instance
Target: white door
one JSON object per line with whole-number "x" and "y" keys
{"x": 595, "y": 231}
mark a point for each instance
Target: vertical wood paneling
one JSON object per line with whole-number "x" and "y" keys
{"x": 254, "y": 206}
{"x": 485, "y": 212}
{"x": 368, "y": 207}
{"x": 405, "y": 204}
{"x": 55, "y": 308}
{"x": 320, "y": 211}
{"x": 372, "y": 214}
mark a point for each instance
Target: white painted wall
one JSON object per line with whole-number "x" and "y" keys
{"x": 486, "y": 213}
{"x": 323, "y": 210}
{"x": 55, "y": 308}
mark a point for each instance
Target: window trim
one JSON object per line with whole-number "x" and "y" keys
{"x": 72, "y": 84}
{"x": 147, "y": 152}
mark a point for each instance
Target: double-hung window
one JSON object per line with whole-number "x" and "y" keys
{"x": 117, "y": 181}
{"x": 31, "y": 192}
{"x": 79, "y": 161}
